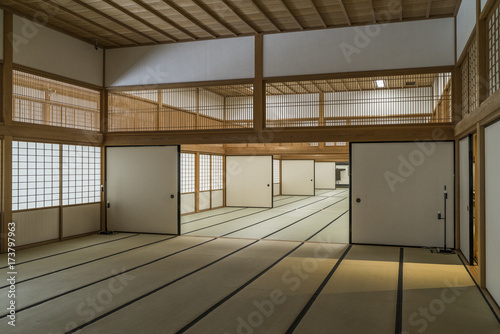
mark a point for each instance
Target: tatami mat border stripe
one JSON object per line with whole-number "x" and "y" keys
{"x": 330, "y": 223}
{"x": 219, "y": 214}
{"x": 399, "y": 302}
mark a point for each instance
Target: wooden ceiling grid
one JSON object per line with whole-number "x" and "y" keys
{"x": 123, "y": 23}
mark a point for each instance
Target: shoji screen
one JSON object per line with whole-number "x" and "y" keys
{"x": 297, "y": 177}
{"x": 249, "y": 181}
{"x": 397, "y": 190}
{"x": 492, "y": 189}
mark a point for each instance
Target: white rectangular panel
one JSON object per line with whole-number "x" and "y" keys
{"x": 492, "y": 229}
{"x": 221, "y": 59}
{"x": 464, "y": 198}
{"x": 249, "y": 181}
{"x": 47, "y": 50}
{"x": 325, "y": 175}
{"x": 187, "y": 203}
{"x": 204, "y": 200}
{"x": 36, "y": 225}
{"x": 400, "y": 187}
{"x": 80, "y": 219}
{"x": 466, "y": 20}
{"x": 142, "y": 189}
{"x": 217, "y": 198}
{"x": 297, "y": 177}
{"x": 343, "y": 171}
{"x": 366, "y": 48}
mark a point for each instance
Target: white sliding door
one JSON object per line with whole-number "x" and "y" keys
{"x": 397, "y": 190}
{"x": 142, "y": 189}
{"x": 492, "y": 203}
{"x": 297, "y": 177}
{"x": 325, "y": 175}
{"x": 464, "y": 198}
{"x": 249, "y": 181}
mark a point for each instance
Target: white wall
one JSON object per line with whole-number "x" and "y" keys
{"x": 374, "y": 47}
{"x": 81, "y": 219}
{"x": 36, "y": 225}
{"x": 1, "y": 34}
{"x": 466, "y": 20}
{"x": 464, "y": 198}
{"x": 47, "y": 50}
{"x": 483, "y": 3}
{"x": 400, "y": 186}
{"x": 184, "y": 62}
{"x": 492, "y": 229}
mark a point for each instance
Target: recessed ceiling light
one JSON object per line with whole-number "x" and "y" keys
{"x": 380, "y": 83}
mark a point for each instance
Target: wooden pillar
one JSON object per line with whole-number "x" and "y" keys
{"x": 160, "y": 107}
{"x": 456, "y": 95}
{"x": 482, "y": 55}
{"x": 7, "y": 119}
{"x": 259, "y": 92}
{"x": 197, "y": 182}
{"x": 197, "y": 119}
{"x": 457, "y": 194}
{"x": 480, "y": 195}
{"x": 321, "y": 119}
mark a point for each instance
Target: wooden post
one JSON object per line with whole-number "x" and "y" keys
{"x": 321, "y": 119}
{"x": 456, "y": 87}
{"x": 457, "y": 194}
{"x": 160, "y": 107}
{"x": 7, "y": 119}
{"x": 197, "y": 119}
{"x": 259, "y": 92}
{"x": 197, "y": 182}
{"x": 480, "y": 193}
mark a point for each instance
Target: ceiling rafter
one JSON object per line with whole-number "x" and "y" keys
{"x": 400, "y": 10}
{"x": 83, "y": 18}
{"x": 372, "y": 10}
{"x": 429, "y": 6}
{"x": 343, "y": 84}
{"x": 166, "y": 19}
{"x": 190, "y": 18}
{"x": 289, "y": 87}
{"x": 214, "y": 16}
{"x": 140, "y": 19}
{"x": 291, "y": 14}
{"x": 275, "y": 86}
{"x": 303, "y": 87}
{"x": 346, "y": 15}
{"x": 316, "y": 11}
{"x": 330, "y": 85}
{"x": 256, "y": 5}
{"x": 69, "y": 24}
{"x": 112, "y": 19}
{"x": 317, "y": 86}
{"x": 240, "y": 16}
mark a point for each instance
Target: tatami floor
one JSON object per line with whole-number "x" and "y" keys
{"x": 134, "y": 283}
{"x": 322, "y": 218}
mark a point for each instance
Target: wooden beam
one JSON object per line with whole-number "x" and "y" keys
{"x": 321, "y": 119}
{"x": 190, "y": 18}
{"x": 344, "y": 11}
{"x": 400, "y": 10}
{"x": 112, "y": 19}
{"x": 372, "y": 10}
{"x": 215, "y": 17}
{"x": 316, "y": 11}
{"x": 429, "y": 6}
{"x": 261, "y": 11}
{"x": 166, "y": 19}
{"x": 283, "y": 3}
{"x": 64, "y": 22}
{"x": 83, "y": 18}
{"x": 141, "y": 20}
{"x": 259, "y": 93}
{"x": 240, "y": 16}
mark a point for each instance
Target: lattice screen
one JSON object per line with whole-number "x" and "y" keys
{"x": 187, "y": 173}
{"x": 494, "y": 48}
{"x": 204, "y": 172}
{"x": 35, "y": 175}
{"x": 217, "y": 172}
{"x": 276, "y": 171}
{"x": 45, "y": 101}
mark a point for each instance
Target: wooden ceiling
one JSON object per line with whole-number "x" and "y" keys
{"x": 122, "y": 23}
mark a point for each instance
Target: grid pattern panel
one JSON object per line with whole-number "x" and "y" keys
{"x": 494, "y": 49}
{"x": 276, "y": 171}
{"x": 217, "y": 172}
{"x": 35, "y": 175}
{"x": 214, "y": 107}
{"x": 473, "y": 77}
{"x": 45, "y": 101}
{"x": 81, "y": 167}
{"x": 204, "y": 172}
{"x": 402, "y": 99}
{"x": 464, "y": 68}
{"x": 187, "y": 173}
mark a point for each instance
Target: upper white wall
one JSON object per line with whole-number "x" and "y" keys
{"x": 1, "y": 34}
{"x": 373, "y": 47}
{"x": 47, "y": 50}
{"x": 184, "y": 62}
{"x": 466, "y": 20}
{"x": 483, "y": 3}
